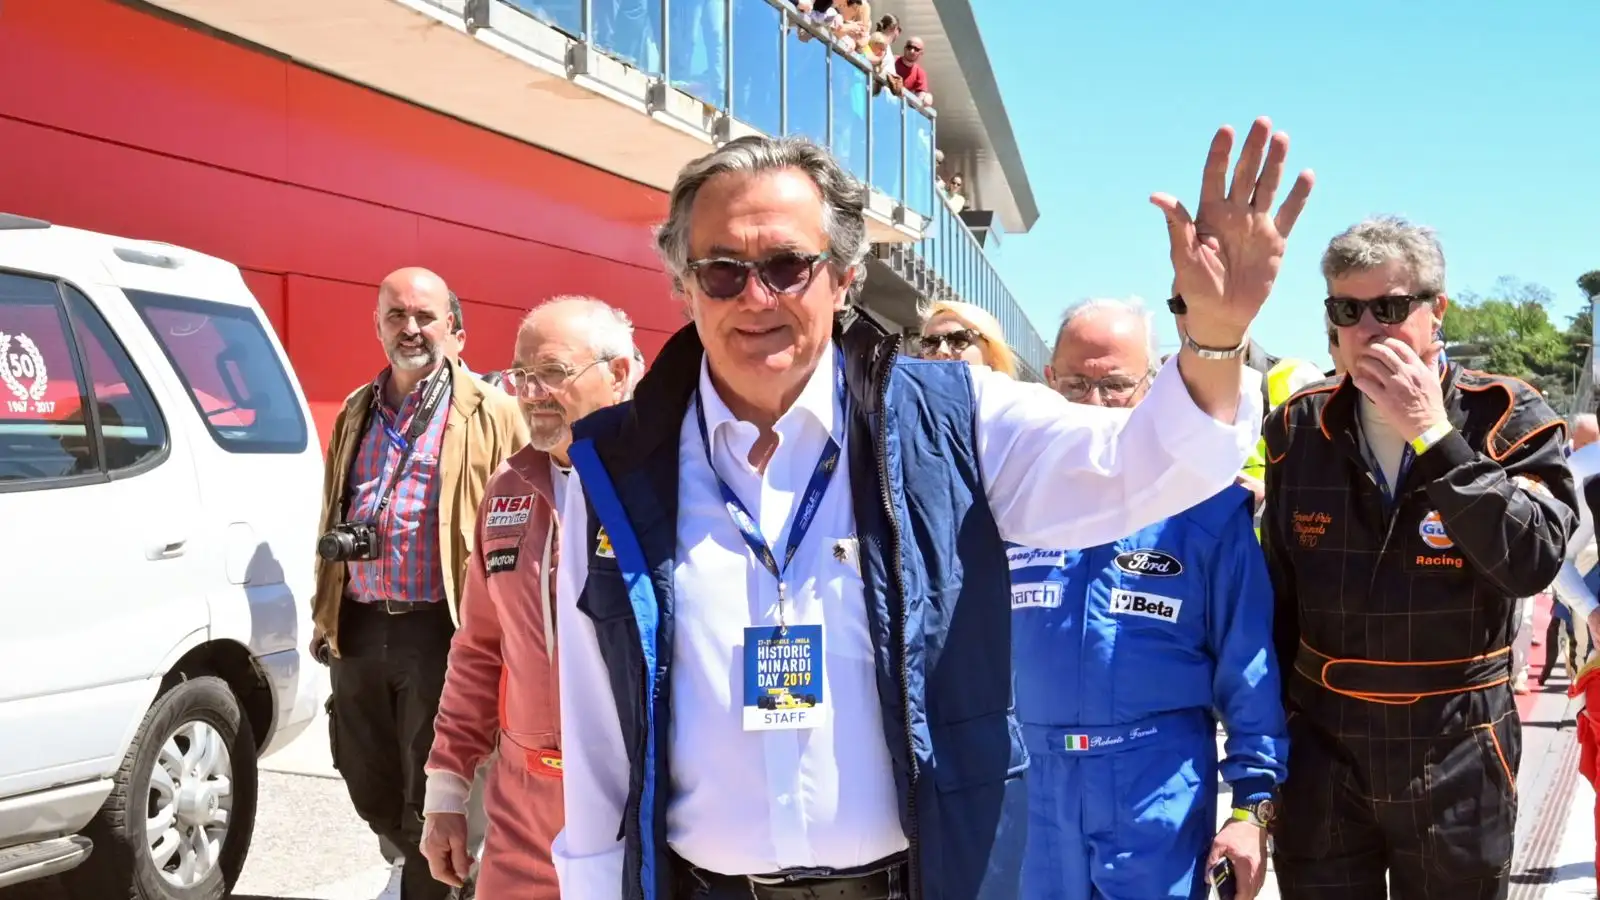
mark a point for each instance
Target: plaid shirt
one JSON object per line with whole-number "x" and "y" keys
{"x": 407, "y": 567}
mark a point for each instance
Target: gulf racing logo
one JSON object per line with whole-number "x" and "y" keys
{"x": 1433, "y": 533}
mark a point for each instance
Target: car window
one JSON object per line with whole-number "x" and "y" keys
{"x": 71, "y": 401}
{"x": 231, "y": 370}
{"x": 43, "y": 432}
{"x": 131, "y": 428}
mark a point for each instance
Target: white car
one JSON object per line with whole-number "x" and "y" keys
{"x": 160, "y": 482}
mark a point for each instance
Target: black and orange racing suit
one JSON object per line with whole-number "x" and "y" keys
{"x": 1393, "y": 632}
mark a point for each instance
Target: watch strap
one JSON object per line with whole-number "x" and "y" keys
{"x": 1205, "y": 352}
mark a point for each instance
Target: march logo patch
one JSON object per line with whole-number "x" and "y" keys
{"x": 505, "y": 560}
{"x": 1150, "y": 606}
{"x": 602, "y": 545}
{"x": 1149, "y": 562}
{"x": 507, "y": 512}
{"x": 1043, "y": 595}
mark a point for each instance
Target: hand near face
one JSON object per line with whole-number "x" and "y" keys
{"x": 1405, "y": 388}
{"x": 1227, "y": 257}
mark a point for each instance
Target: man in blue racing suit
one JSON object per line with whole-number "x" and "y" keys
{"x": 1126, "y": 654}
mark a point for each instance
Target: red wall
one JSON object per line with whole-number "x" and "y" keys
{"x": 115, "y": 120}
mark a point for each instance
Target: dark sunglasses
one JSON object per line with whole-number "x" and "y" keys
{"x": 1390, "y": 310}
{"x": 958, "y": 341}
{"x": 783, "y": 273}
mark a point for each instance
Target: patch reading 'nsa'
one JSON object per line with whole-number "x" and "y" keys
{"x": 505, "y": 512}
{"x": 501, "y": 560}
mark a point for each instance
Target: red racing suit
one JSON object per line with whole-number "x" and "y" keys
{"x": 501, "y": 689}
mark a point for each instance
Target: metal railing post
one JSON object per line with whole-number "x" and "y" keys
{"x": 588, "y": 22}
{"x": 727, "y": 54}
{"x": 666, "y": 42}
{"x": 783, "y": 73}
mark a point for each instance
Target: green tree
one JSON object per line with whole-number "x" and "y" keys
{"x": 1509, "y": 332}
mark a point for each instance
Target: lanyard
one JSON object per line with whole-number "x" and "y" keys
{"x": 420, "y": 420}
{"x": 805, "y": 514}
{"x": 1407, "y": 457}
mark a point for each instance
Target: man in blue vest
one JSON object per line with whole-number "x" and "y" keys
{"x": 783, "y": 602}
{"x": 1122, "y": 652}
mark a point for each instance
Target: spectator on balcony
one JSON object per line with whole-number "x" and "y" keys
{"x": 956, "y": 330}
{"x": 820, "y": 13}
{"x": 855, "y": 25}
{"x": 879, "y": 49}
{"x": 912, "y": 76}
{"x": 954, "y": 198}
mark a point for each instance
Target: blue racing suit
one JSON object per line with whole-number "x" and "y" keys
{"x": 1125, "y": 656}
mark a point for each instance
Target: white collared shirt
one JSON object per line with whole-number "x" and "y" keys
{"x": 1056, "y": 475}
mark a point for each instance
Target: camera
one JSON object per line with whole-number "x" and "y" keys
{"x": 349, "y": 541}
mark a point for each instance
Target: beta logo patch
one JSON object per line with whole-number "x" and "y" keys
{"x": 505, "y": 560}
{"x": 505, "y": 512}
{"x": 602, "y": 544}
{"x": 1433, "y": 533}
{"x": 1043, "y": 595}
{"x": 1151, "y": 606}
{"x": 1149, "y": 562}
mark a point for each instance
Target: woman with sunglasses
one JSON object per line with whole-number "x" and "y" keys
{"x": 956, "y": 330}
{"x": 1409, "y": 505}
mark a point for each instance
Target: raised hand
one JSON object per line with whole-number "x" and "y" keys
{"x": 1226, "y": 258}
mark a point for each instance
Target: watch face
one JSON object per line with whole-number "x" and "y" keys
{"x": 1265, "y": 810}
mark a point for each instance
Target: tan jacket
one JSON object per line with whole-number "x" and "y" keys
{"x": 485, "y": 427}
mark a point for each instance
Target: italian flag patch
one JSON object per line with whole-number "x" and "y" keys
{"x": 1077, "y": 742}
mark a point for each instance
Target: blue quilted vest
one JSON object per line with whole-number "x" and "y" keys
{"x": 937, "y": 606}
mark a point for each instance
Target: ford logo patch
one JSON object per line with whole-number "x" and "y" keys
{"x": 1149, "y": 562}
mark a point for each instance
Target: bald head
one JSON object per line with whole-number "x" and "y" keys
{"x": 1103, "y": 352}
{"x": 578, "y": 356}
{"x": 1585, "y": 431}
{"x": 413, "y": 319}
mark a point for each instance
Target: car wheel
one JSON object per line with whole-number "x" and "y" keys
{"x": 178, "y": 822}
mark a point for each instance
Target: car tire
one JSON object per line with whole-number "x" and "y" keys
{"x": 191, "y": 721}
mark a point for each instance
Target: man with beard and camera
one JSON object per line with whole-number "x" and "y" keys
{"x": 408, "y": 462}
{"x": 574, "y": 355}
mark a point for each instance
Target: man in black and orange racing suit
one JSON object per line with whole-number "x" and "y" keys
{"x": 1393, "y": 618}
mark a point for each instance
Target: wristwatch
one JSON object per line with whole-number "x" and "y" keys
{"x": 1260, "y": 813}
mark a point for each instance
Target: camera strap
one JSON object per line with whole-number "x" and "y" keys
{"x": 438, "y": 387}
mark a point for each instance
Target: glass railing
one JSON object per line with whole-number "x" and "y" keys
{"x": 778, "y": 74}
{"x": 965, "y": 272}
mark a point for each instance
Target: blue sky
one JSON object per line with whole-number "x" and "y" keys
{"x": 1473, "y": 117}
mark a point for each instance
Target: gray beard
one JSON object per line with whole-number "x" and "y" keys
{"x": 412, "y": 361}
{"x": 547, "y": 439}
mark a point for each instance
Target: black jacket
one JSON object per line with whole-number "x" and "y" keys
{"x": 1482, "y": 519}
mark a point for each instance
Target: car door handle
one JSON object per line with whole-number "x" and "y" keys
{"x": 170, "y": 550}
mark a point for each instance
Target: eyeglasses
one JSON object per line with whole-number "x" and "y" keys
{"x": 783, "y": 273}
{"x": 1114, "y": 389}
{"x": 1390, "y": 310}
{"x": 548, "y": 379}
{"x": 958, "y": 341}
